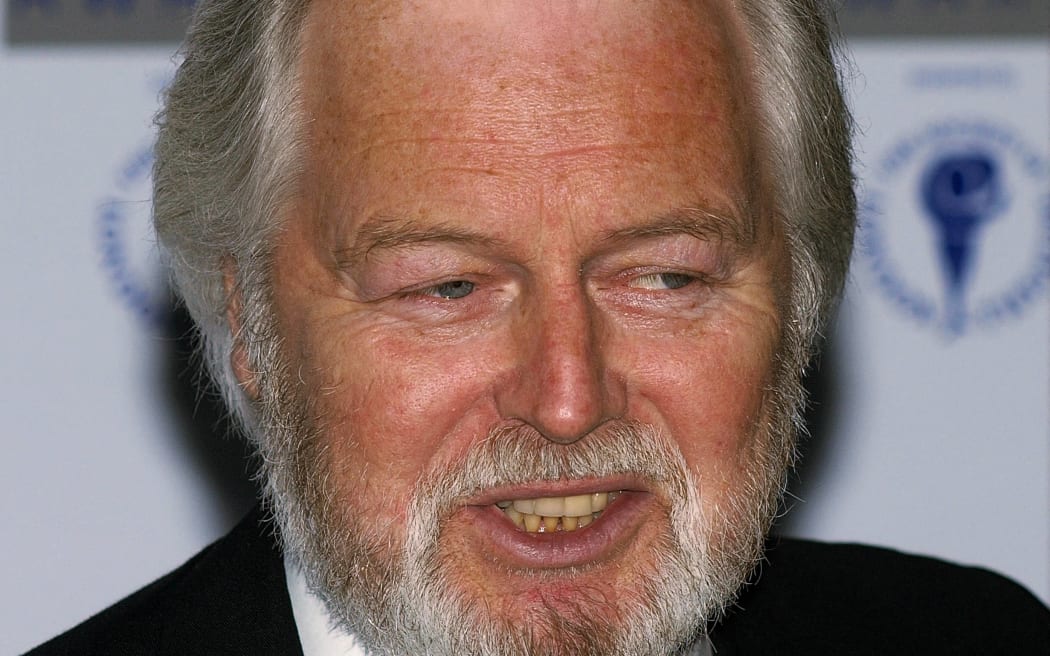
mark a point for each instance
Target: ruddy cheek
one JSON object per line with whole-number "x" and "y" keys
{"x": 708, "y": 396}
{"x": 411, "y": 398}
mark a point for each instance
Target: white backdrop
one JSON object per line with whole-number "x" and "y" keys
{"x": 933, "y": 435}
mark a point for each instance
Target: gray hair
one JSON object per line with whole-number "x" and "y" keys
{"x": 226, "y": 161}
{"x": 229, "y": 151}
{"x": 807, "y": 133}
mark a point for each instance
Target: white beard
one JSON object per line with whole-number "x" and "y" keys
{"x": 405, "y": 599}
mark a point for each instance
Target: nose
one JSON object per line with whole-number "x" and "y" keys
{"x": 561, "y": 385}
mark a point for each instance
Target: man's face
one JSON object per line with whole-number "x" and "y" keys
{"x": 530, "y": 243}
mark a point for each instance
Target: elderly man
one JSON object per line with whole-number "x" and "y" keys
{"x": 513, "y": 299}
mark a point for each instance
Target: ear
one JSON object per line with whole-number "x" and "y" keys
{"x": 239, "y": 361}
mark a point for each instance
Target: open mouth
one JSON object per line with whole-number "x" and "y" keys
{"x": 551, "y": 514}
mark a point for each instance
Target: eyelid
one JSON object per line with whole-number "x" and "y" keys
{"x": 670, "y": 253}
{"x": 409, "y": 271}
{"x": 641, "y": 271}
{"x": 690, "y": 276}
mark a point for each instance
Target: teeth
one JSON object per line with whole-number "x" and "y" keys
{"x": 550, "y": 514}
{"x": 525, "y": 506}
{"x": 516, "y": 517}
{"x": 578, "y": 506}
{"x": 550, "y": 507}
{"x": 532, "y": 523}
{"x": 599, "y": 500}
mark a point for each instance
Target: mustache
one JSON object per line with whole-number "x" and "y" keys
{"x": 516, "y": 455}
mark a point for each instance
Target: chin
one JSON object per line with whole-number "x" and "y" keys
{"x": 445, "y": 595}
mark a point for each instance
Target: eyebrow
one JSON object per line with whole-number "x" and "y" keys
{"x": 697, "y": 222}
{"x": 386, "y": 232}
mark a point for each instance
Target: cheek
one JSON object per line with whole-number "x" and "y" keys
{"x": 394, "y": 407}
{"x": 709, "y": 392}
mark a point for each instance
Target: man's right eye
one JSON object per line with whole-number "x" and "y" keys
{"x": 450, "y": 290}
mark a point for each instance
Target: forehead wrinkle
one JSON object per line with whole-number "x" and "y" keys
{"x": 390, "y": 232}
{"x": 537, "y": 133}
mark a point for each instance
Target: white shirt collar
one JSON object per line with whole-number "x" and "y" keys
{"x": 320, "y": 636}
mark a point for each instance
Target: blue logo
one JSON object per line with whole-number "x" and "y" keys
{"x": 129, "y": 251}
{"x": 955, "y": 226}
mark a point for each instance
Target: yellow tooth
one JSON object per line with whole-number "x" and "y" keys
{"x": 525, "y": 506}
{"x": 550, "y": 524}
{"x": 578, "y": 506}
{"x": 532, "y": 522}
{"x": 550, "y": 507}
{"x": 598, "y": 501}
{"x": 569, "y": 523}
{"x": 515, "y": 517}
{"x": 585, "y": 520}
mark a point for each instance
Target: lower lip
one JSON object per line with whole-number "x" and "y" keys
{"x": 613, "y": 531}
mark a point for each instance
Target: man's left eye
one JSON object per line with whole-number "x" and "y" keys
{"x": 658, "y": 281}
{"x": 450, "y": 290}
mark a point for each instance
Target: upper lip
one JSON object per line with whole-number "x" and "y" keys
{"x": 559, "y": 488}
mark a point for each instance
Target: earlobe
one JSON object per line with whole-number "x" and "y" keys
{"x": 239, "y": 362}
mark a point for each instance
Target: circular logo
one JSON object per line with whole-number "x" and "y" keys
{"x": 955, "y": 225}
{"x": 128, "y": 247}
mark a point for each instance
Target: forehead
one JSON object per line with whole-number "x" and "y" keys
{"x": 541, "y": 88}
{"x": 481, "y": 38}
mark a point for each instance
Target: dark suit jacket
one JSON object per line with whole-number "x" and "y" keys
{"x": 809, "y": 599}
